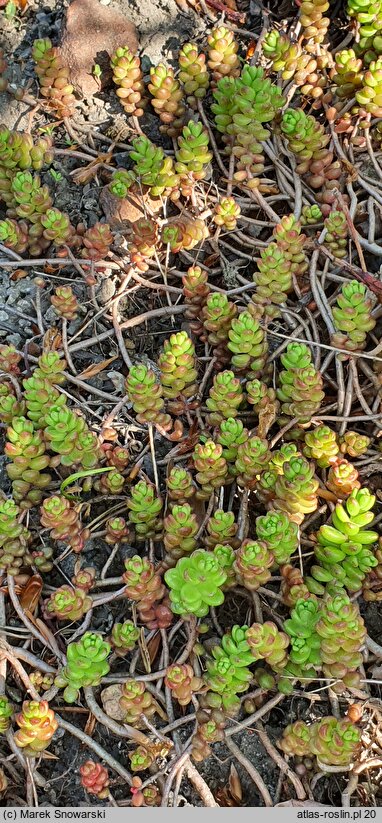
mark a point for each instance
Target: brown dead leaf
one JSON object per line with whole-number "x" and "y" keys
{"x": 30, "y": 594}
{"x": 153, "y": 646}
{"x": 235, "y": 784}
{"x": 110, "y": 698}
{"x": 52, "y": 340}
{"x": 267, "y": 417}
{"x": 90, "y": 725}
{"x": 96, "y": 368}
{"x": 88, "y": 172}
{"x": 224, "y": 798}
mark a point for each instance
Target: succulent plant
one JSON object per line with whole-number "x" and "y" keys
{"x": 293, "y": 586}
{"x": 307, "y": 140}
{"x": 242, "y": 105}
{"x": 279, "y": 261}
{"x": 180, "y": 528}
{"x": 95, "y": 779}
{"x": 128, "y": 77}
{"x": 231, "y": 435}
{"x": 227, "y": 669}
{"x": 279, "y": 533}
{"x": 57, "y": 227}
{"x": 140, "y": 759}
{"x": 369, "y": 95}
{"x": 146, "y": 396}
{"x": 335, "y": 742}
{"x": 313, "y": 22}
{"x": 300, "y": 386}
{"x": 222, "y": 54}
{"x": 62, "y": 518}
{"x": 69, "y": 436}
{"x": 342, "y": 633}
{"x": 110, "y": 483}
{"x": 6, "y": 712}
{"x": 336, "y": 233}
{"x": 117, "y": 530}
{"x": 53, "y": 77}
{"x": 221, "y": 528}
{"x": 310, "y": 215}
{"x": 124, "y": 637}
{"x": 151, "y": 167}
{"x": 210, "y": 725}
{"x": 184, "y": 233}
{"x": 14, "y": 538}
{"x": 211, "y": 468}
{"x": 321, "y": 444}
{"x": 263, "y": 399}
{"x": 182, "y": 682}
{"x": 226, "y": 213}
{"x": 225, "y": 556}
{"x": 9, "y": 359}
{"x": 31, "y": 199}
{"x": 295, "y": 490}
{"x": 297, "y": 739}
{"x": 14, "y": 235}
{"x": 97, "y": 241}
{"x": 282, "y": 456}
{"x": 347, "y": 73}
{"x": 144, "y": 586}
{"x": 67, "y": 603}
{"x": 65, "y": 302}
{"x": 248, "y": 344}
{"x": 41, "y": 682}
{"x": 144, "y": 511}
{"x": 84, "y": 578}
{"x": 37, "y": 725}
{"x": 252, "y": 458}
{"x": 284, "y": 55}
{"x": 18, "y": 150}
{"x": 301, "y": 628}
{"x": 180, "y": 485}
{"x": 267, "y": 643}
{"x": 86, "y": 665}
{"x": 144, "y": 239}
{"x": 10, "y": 407}
{"x": 50, "y": 367}
{"x": 217, "y": 315}
{"x": 193, "y": 73}
{"x": 195, "y": 292}
{"x": 354, "y": 444}
{"x": 178, "y": 367}
{"x": 40, "y": 395}
{"x": 122, "y": 180}
{"x": 167, "y": 97}
{"x": 192, "y": 156}
{"x": 253, "y": 563}
{"x": 342, "y": 478}
{"x": 225, "y": 397}
{"x": 26, "y": 450}
{"x": 344, "y": 549}
{"x": 135, "y": 700}
{"x": 196, "y": 584}
{"x": 352, "y": 317}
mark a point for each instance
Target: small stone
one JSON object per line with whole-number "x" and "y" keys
{"x": 91, "y": 34}
{"x": 122, "y": 213}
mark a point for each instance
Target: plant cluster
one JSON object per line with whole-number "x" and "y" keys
{"x": 225, "y": 473}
